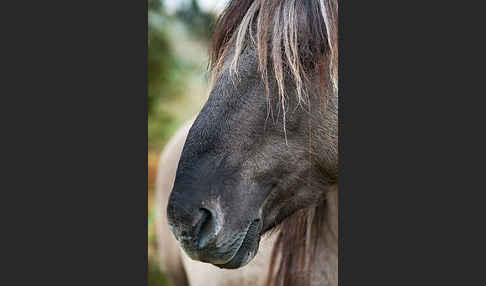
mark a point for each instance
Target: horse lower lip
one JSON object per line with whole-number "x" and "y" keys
{"x": 248, "y": 246}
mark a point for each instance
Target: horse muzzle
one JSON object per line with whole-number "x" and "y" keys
{"x": 204, "y": 237}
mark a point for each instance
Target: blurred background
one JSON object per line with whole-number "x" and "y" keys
{"x": 178, "y": 84}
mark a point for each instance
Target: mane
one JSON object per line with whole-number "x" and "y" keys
{"x": 295, "y": 39}
{"x": 294, "y": 253}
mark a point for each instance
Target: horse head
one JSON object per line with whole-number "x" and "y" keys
{"x": 265, "y": 144}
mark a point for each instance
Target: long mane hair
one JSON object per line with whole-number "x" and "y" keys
{"x": 295, "y": 39}
{"x": 298, "y": 37}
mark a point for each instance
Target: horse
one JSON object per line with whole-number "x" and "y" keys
{"x": 262, "y": 155}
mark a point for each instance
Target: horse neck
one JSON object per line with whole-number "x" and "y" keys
{"x": 332, "y": 213}
{"x": 327, "y": 258}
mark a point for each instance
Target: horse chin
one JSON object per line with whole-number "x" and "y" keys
{"x": 248, "y": 248}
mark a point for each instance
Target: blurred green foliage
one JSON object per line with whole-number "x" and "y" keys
{"x": 169, "y": 72}
{"x": 163, "y": 68}
{"x": 156, "y": 277}
{"x": 200, "y": 24}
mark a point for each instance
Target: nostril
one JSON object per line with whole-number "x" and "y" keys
{"x": 205, "y": 228}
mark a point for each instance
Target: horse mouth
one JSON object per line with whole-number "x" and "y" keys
{"x": 247, "y": 249}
